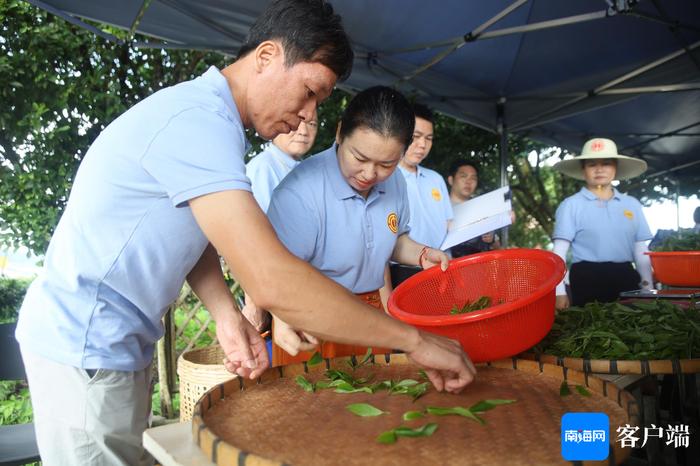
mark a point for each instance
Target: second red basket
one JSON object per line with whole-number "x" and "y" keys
{"x": 679, "y": 268}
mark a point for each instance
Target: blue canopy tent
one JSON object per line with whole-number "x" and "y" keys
{"x": 557, "y": 71}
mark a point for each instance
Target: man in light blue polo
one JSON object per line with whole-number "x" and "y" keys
{"x": 160, "y": 191}
{"x": 431, "y": 210}
{"x": 270, "y": 166}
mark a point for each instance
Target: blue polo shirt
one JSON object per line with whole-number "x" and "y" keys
{"x": 266, "y": 170}
{"x": 321, "y": 219}
{"x": 430, "y": 206}
{"x": 601, "y": 231}
{"x": 127, "y": 239}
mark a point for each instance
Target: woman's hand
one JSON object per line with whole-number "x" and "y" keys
{"x": 432, "y": 257}
{"x": 290, "y": 340}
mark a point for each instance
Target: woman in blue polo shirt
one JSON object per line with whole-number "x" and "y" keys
{"x": 605, "y": 229}
{"x": 345, "y": 210}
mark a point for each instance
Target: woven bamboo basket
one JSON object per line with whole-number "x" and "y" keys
{"x": 199, "y": 370}
{"x": 272, "y": 421}
{"x": 605, "y": 366}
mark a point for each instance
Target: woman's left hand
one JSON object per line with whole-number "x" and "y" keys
{"x": 432, "y": 257}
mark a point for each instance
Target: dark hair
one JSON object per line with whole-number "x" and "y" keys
{"x": 459, "y": 163}
{"x": 381, "y": 109}
{"x": 309, "y": 32}
{"x": 421, "y": 111}
{"x": 696, "y": 215}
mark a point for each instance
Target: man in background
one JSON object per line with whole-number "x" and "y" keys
{"x": 428, "y": 199}
{"x": 464, "y": 181}
{"x": 270, "y": 166}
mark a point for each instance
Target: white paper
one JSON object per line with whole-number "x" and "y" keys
{"x": 479, "y": 216}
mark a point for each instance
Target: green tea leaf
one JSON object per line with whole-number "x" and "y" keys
{"x": 335, "y": 374}
{"x": 582, "y": 390}
{"x": 411, "y": 415}
{"x": 457, "y": 411}
{"x": 564, "y": 389}
{"x": 305, "y": 384}
{"x": 344, "y": 387}
{"x": 486, "y": 405}
{"x": 406, "y": 383}
{"x": 422, "y": 431}
{"x": 315, "y": 359}
{"x": 429, "y": 429}
{"x": 366, "y": 357}
{"x": 387, "y": 437}
{"x": 408, "y": 387}
{"x": 364, "y": 410}
{"x": 383, "y": 385}
{"x": 423, "y": 375}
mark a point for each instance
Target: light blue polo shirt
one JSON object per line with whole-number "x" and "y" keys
{"x": 127, "y": 239}
{"x": 430, "y": 206}
{"x": 266, "y": 170}
{"x": 601, "y": 231}
{"x": 321, "y": 219}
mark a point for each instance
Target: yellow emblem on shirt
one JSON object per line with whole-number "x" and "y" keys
{"x": 436, "y": 194}
{"x": 393, "y": 222}
{"x": 628, "y": 214}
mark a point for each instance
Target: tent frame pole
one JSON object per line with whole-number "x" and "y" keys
{"x": 503, "y": 155}
{"x": 76, "y": 21}
{"x": 542, "y": 117}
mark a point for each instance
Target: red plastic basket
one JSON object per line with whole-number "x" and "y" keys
{"x": 680, "y": 268}
{"x": 523, "y": 279}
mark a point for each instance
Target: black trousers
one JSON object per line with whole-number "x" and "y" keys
{"x": 601, "y": 281}
{"x": 400, "y": 272}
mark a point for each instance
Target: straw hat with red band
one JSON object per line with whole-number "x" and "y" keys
{"x": 600, "y": 148}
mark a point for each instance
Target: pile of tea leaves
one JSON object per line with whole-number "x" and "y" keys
{"x": 678, "y": 241}
{"x": 644, "y": 330}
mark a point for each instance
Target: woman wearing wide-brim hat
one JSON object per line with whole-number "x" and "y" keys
{"x": 605, "y": 229}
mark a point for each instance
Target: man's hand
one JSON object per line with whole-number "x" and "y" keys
{"x": 246, "y": 354}
{"x": 433, "y": 257}
{"x": 290, "y": 340}
{"x": 447, "y": 365}
{"x": 562, "y": 302}
{"x": 257, "y": 316}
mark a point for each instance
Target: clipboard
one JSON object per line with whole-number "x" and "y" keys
{"x": 479, "y": 216}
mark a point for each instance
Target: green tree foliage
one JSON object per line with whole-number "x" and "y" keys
{"x": 60, "y": 86}
{"x": 11, "y": 295}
